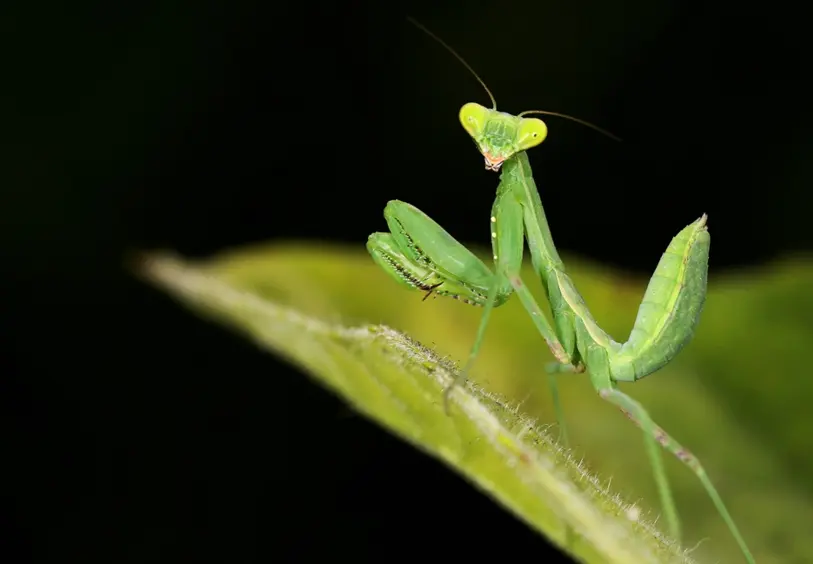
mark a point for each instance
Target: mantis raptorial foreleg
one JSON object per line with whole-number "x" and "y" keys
{"x": 419, "y": 253}
{"x": 422, "y": 255}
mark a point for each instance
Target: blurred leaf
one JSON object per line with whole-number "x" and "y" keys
{"x": 721, "y": 397}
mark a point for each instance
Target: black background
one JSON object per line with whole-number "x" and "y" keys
{"x": 137, "y": 432}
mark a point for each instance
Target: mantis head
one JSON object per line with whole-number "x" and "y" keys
{"x": 498, "y": 135}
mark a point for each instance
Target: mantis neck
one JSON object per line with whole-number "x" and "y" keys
{"x": 517, "y": 177}
{"x": 562, "y": 293}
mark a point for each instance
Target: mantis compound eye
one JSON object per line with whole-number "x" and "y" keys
{"x": 473, "y": 118}
{"x": 531, "y": 133}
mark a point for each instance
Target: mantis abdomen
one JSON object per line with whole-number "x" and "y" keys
{"x": 671, "y": 306}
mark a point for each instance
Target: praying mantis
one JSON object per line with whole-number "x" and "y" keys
{"x": 419, "y": 253}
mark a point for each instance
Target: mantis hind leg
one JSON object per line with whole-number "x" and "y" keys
{"x": 654, "y": 435}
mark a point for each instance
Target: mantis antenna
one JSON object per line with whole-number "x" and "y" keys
{"x": 420, "y": 26}
{"x": 454, "y": 53}
{"x": 571, "y": 118}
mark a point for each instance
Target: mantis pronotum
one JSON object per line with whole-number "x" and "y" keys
{"x": 421, "y": 254}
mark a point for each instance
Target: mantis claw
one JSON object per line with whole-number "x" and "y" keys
{"x": 430, "y": 290}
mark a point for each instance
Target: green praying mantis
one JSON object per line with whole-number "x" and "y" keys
{"x": 420, "y": 254}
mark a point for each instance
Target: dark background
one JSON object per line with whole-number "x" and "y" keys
{"x": 139, "y": 433}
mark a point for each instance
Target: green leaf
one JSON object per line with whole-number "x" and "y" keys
{"x": 314, "y": 306}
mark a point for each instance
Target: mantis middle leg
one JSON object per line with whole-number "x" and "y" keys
{"x": 507, "y": 236}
